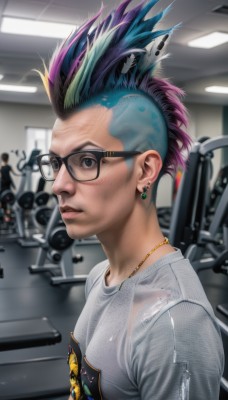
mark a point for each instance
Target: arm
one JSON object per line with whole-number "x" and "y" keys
{"x": 14, "y": 173}
{"x": 183, "y": 344}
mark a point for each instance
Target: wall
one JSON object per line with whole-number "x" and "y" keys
{"x": 204, "y": 120}
{"x": 14, "y": 118}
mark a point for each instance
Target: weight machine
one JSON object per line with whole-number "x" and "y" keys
{"x": 55, "y": 252}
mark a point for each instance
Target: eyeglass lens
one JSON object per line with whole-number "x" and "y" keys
{"x": 81, "y": 166}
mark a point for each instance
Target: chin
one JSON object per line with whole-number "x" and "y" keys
{"x": 76, "y": 233}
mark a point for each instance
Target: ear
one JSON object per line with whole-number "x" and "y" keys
{"x": 149, "y": 167}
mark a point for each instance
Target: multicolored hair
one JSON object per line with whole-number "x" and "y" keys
{"x": 120, "y": 52}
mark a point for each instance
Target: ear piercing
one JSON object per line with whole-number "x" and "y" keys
{"x": 144, "y": 193}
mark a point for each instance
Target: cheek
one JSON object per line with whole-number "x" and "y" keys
{"x": 103, "y": 181}
{"x": 107, "y": 189}
{"x": 114, "y": 183}
{"x": 115, "y": 194}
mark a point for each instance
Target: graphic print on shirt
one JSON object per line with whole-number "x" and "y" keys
{"x": 84, "y": 378}
{"x": 74, "y": 361}
{"x": 90, "y": 379}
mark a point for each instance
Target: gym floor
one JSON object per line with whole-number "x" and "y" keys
{"x": 24, "y": 295}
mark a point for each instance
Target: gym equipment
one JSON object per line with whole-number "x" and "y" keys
{"x": 224, "y": 330}
{"x": 41, "y": 198}
{"x": 199, "y": 224}
{"x": 7, "y": 216}
{"x": 165, "y": 213}
{"x": 1, "y": 272}
{"x": 213, "y": 241}
{"x": 34, "y": 379}
{"x": 26, "y": 168}
{"x": 164, "y": 217}
{"x": 219, "y": 186}
{"x": 7, "y": 198}
{"x": 190, "y": 207}
{"x": 42, "y": 215}
{"x": 24, "y": 333}
{"x": 31, "y": 208}
{"x": 55, "y": 253}
{"x": 25, "y": 197}
{"x": 42, "y": 211}
{"x": 1, "y": 269}
{"x": 220, "y": 253}
{"x": 18, "y": 334}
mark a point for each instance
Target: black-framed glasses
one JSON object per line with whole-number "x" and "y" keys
{"x": 83, "y": 165}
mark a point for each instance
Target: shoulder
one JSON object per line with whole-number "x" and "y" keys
{"x": 189, "y": 325}
{"x": 170, "y": 304}
{"x": 185, "y": 335}
{"x": 182, "y": 348}
{"x": 170, "y": 281}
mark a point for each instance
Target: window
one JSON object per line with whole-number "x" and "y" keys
{"x": 37, "y": 138}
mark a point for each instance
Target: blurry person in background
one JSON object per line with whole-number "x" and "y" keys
{"x": 6, "y": 170}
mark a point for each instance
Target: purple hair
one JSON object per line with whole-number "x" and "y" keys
{"x": 122, "y": 51}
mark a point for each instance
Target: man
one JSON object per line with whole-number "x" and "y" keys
{"x": 147, "y": 330}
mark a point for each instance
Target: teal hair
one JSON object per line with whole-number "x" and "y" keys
{"x": 121, "y": 52}
{"x": 111, "y": 55}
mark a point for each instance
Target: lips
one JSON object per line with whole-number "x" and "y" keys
{"x": 68, "y": 209}
{"x": 69, "y": 213}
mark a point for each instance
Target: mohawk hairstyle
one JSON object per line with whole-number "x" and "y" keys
{"x": 114, "y": 55}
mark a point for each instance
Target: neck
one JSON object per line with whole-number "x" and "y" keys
{"x": 125, "y": 247}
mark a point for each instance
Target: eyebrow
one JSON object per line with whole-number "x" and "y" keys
{"x": 81, "y": 147}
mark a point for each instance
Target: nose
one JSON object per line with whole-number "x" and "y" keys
{"x": 63, "y": 182}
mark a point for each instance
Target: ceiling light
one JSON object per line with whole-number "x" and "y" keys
{"x": 16, "y": 88}
{"x": 35, "y": 28}
{"x": 211, "y": 40}
{"x": 1, "y": 76}
{"x": 217, "y": 89}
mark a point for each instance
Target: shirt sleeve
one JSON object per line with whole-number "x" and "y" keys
{"x": 179, "y": 356}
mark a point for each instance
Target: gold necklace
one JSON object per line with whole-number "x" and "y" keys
{"x": 164, "y": 241}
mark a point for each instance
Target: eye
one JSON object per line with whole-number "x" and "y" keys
{"x": 54, "y": 163}
{"x": 88, "y": 162}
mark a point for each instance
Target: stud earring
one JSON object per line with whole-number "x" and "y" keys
{"x": 144, "y": 194}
